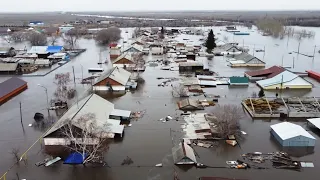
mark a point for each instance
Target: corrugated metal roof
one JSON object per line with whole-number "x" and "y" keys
{"x": 117, "y": 74}
{"x": 269, "y": 72}
{"x": 193, "y": 63}
{"x": 136, "y": 47}
{"x": 183, "y": 151}
{"x": 7, "y": 67}
{"x": 93, "y": 103}
{"x": 235, "y": 79}
{"x": 246, "y": 57}
{"x": 287, "y": 130}
{"x": 54, "y": 49}
{"x": 315, "y": 122}
{"x": 207, "y": 83}
{"x": 10, "y": 85}
{"x": 38, "y": 50}
{"x": 119, "y": 112}
{"x": 286, "y": 78}
{"x": 127, "y": 56}
{"x": 188, "y": 102}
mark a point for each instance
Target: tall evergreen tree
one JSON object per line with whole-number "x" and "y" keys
{"x": 210, "y": 42}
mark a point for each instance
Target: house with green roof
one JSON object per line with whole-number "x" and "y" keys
{"x": 239, "y": 81}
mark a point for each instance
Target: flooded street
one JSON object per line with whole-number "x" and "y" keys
{"x": 149, "y": 141}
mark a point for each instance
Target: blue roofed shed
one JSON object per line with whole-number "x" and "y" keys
{"x": 54, "y": 49}
{"x": 75, "y": 158}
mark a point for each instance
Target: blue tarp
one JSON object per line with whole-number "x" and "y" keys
{"x": 75, "y": 158}
{"x": 54, "y": 49}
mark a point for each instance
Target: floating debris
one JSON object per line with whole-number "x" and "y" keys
{"x": 159, "y": 165}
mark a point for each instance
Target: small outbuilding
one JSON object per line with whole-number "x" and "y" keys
{"x": 292, "y": 135}
{"x": 192, "y": 66}
{"x": 183, "y": 154}
{"x": 190, "y": 104}
{"x": 239, "y": 81}
{"x": 246, "y": 60}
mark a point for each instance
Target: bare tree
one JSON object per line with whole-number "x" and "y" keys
{"x": 53, "y": 39}
{"x": 87, "y": 137}
{"x": 15, "y": 153}
{"x": 72, "y": 36}
{"x": 62, "y": 80}
{"x": 226, "y": 119}
{"x": 179, "y": 91}
{"x": 37, "y": 39}
{"x": 136, "y": 32}
{"x": 106, "y": 36}
{"x": 225, "y": 38}
{"x": 17, "y": 37}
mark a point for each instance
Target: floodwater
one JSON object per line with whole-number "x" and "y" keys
{"x": 149, "y": 141}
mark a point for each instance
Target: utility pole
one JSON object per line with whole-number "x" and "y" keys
{"x": 281, "y": 86}
{"x": 264, "y": 51}
{"x": 282, "y": 60}
{"x": 298, "y": 49}
{"x": 293, "y": 63}
{"x": 314, "y": 53}
{"x": 21, "y": 114}
{"x": 254, "y": 47}
{"x": 75, "y": 87}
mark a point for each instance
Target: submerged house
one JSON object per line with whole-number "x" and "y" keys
{"x": 105, "y": 127}
{"x": 264, "y": 73}
{"x": 189, "y": 105}
{"x": 292, "y": 135}
{"x": 227, "y": 49}
{"x": 246, "y": 60}
{"x": 7, "y": 52}
{"x": 45, "y": 51}
{"x": 11, "y": 88}
{"x": 284, "y": 80}
{"x": 190, "y": 66}
{"x": 115, "y": 51}
{"x": 123, "y": 61}
{"x": 183, "y": 154}
{"x": 134, "y": 49}
{"x": 239, "y": 81}
{"x": 116, "y": 79}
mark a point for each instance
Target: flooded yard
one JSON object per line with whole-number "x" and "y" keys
{"x": 149, "y": 141}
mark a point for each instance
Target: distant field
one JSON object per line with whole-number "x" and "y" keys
{"x": 303, "y": 18}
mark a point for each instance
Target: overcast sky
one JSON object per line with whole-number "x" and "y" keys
{"x": 151, "y": 5}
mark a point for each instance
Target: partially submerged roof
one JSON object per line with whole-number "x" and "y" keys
{"x": 7, "y": 67}
{"x": 183, "y": 154}
{"x": 239, "y": 80}
{"x": 196, "y": 126}
{"x": 54, "y": 49}
{"x": 247, "y": 58}
{"x": 286, "y": 78}
{"x": 96, "y": 105}
{"x": 191, "y": 63}
{"x": 38, "y": 50}
{"x": 225, "y": 47}
{"x": 117, "y": 74}
{"x": 10, "y": 85}
{"x": 127, "y": 56}
{"x": 136, "y": 47}
{"x": 287, "y": 130}
{"x": 188, "y": 102}
{"x": 269, "y": 72}
{"x": 315, "y": 122}
{"x": 119, "y": 112}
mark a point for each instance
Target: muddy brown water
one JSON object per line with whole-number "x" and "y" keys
{"x": 148, "y": 141}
